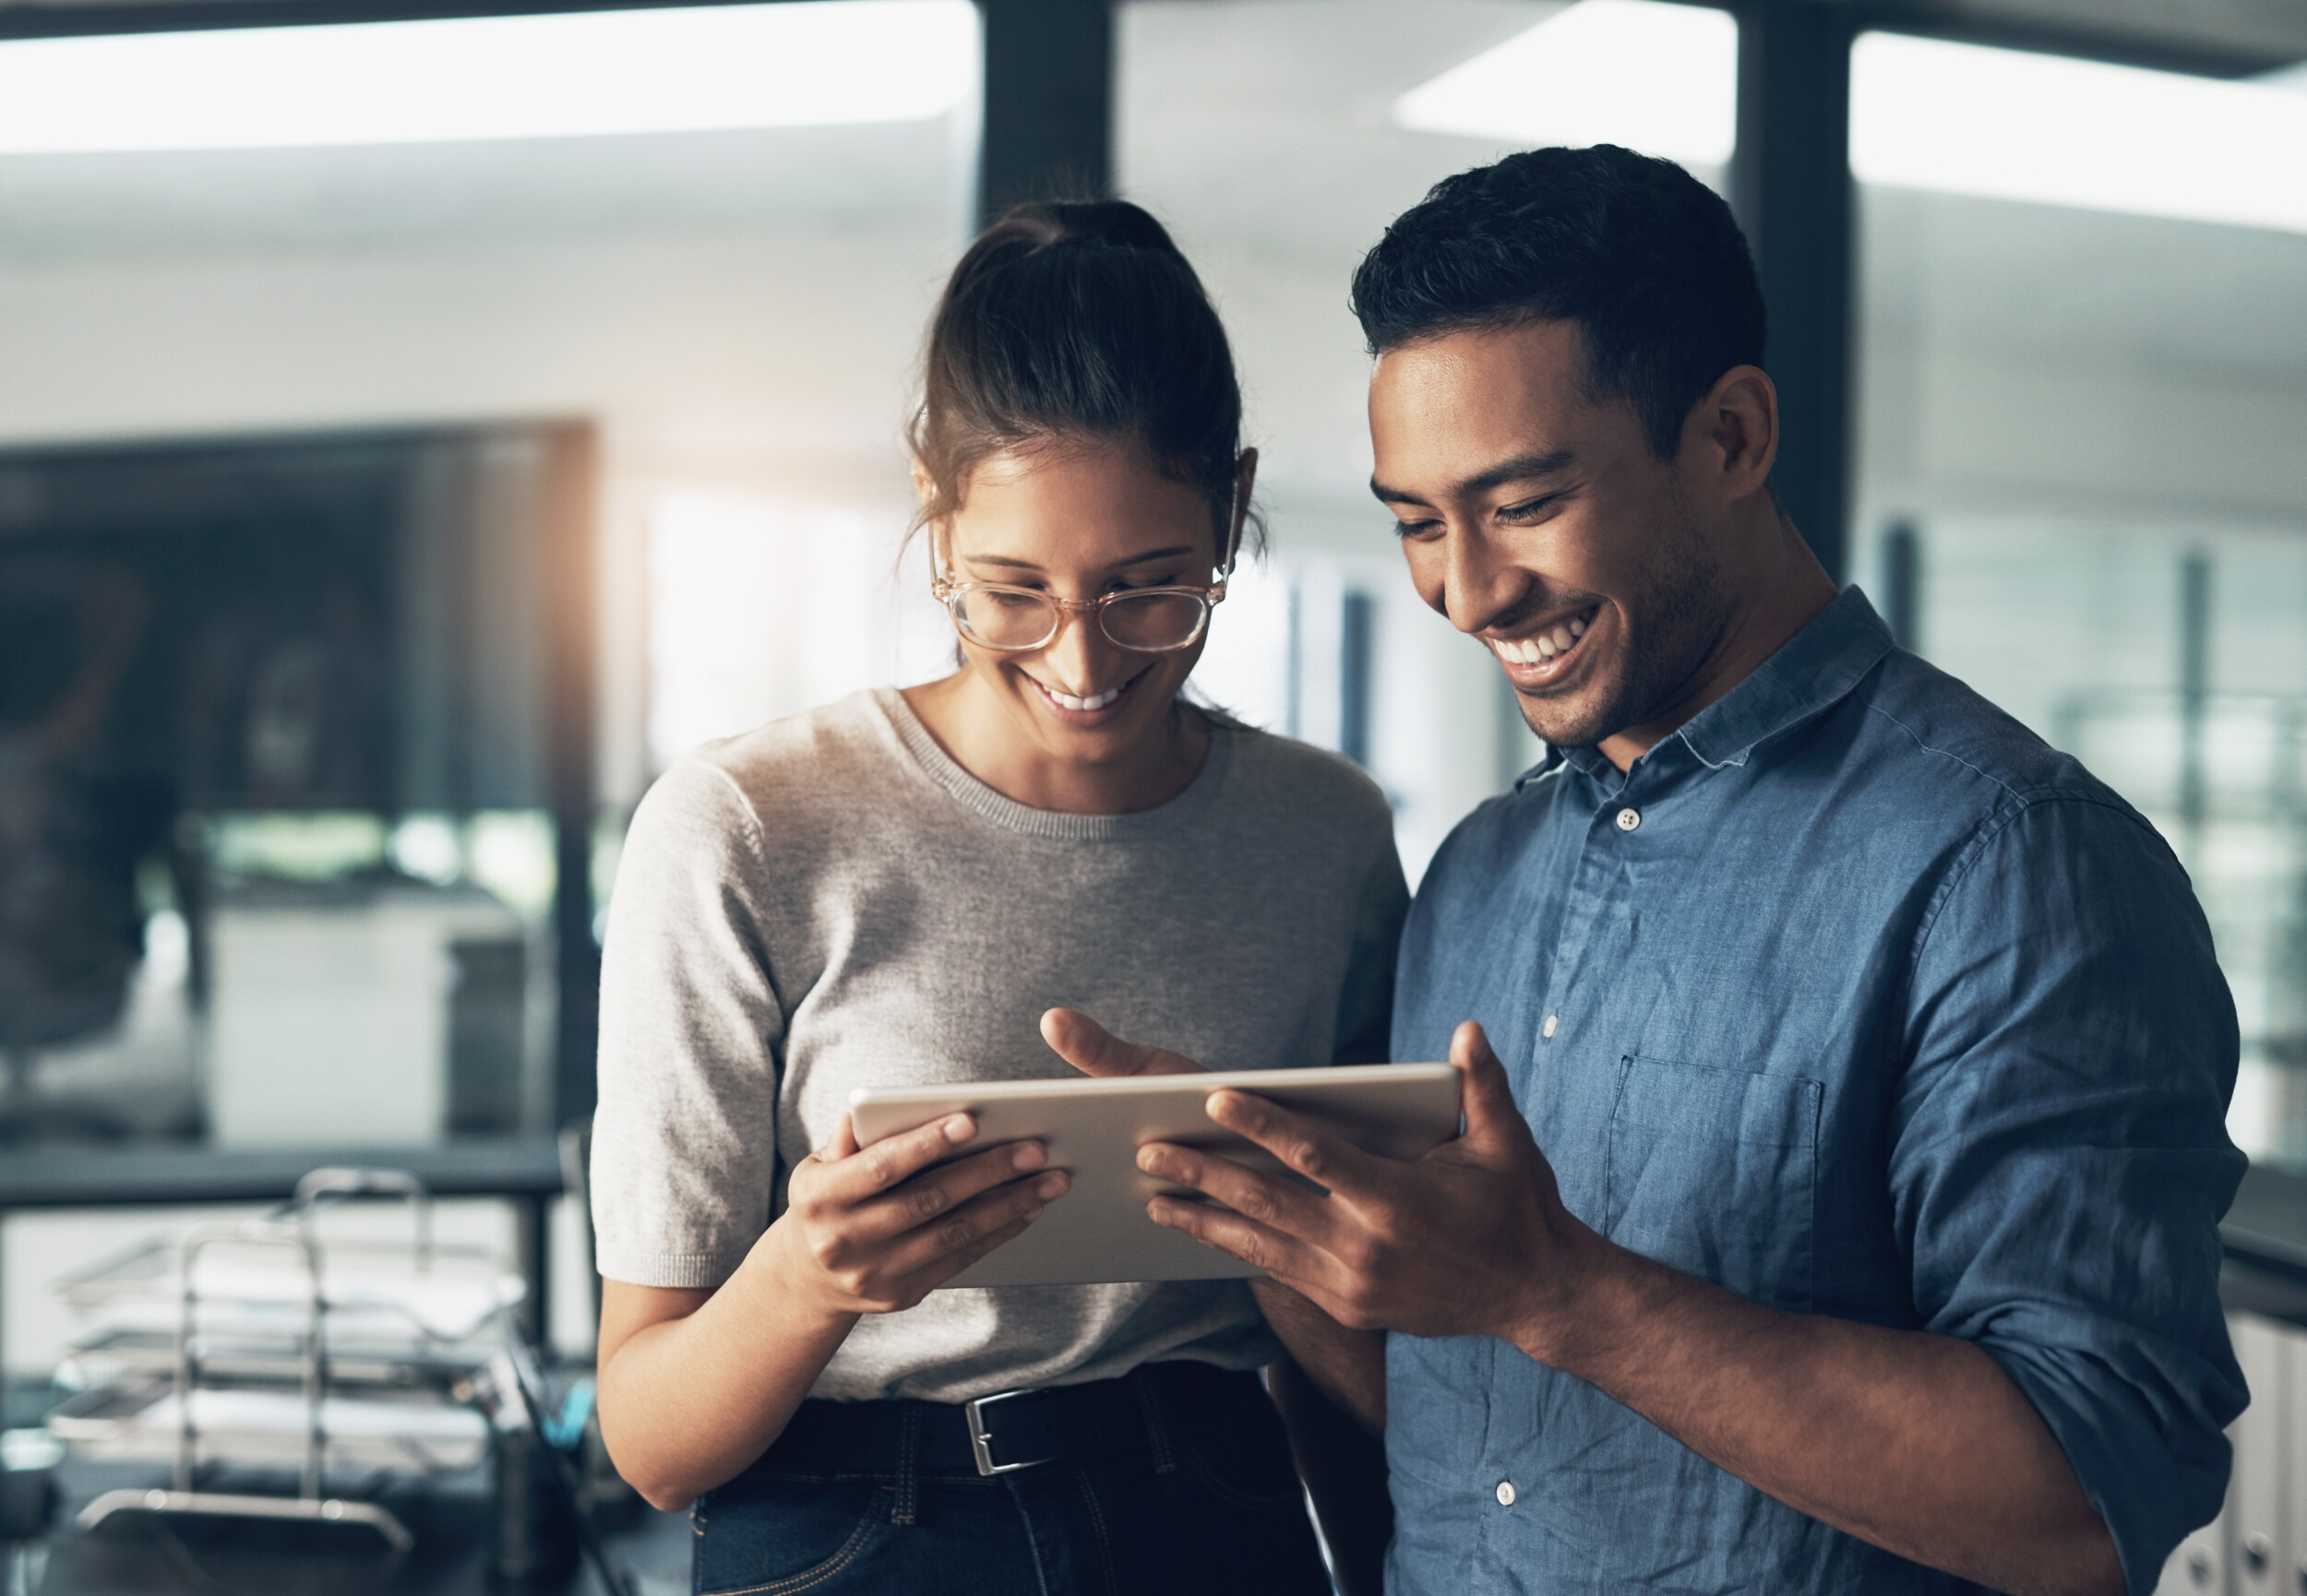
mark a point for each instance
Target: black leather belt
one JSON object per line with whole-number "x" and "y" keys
{"x": 1011, "y": 1430}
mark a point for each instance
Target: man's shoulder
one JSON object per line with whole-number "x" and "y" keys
{"x": 1931, "y": 736}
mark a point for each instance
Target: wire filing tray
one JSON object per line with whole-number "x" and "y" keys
{"x": 255, "y": 1345}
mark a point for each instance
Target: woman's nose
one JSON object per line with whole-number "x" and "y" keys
{"x": 1078, "y": 649}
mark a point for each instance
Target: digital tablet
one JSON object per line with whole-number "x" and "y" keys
{"x": 1099, "y": 1231}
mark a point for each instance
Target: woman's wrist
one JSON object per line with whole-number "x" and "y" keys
{"x": 796, "y": 1291}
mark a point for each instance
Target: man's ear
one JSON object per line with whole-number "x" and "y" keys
{"x": 1737, "y": 425}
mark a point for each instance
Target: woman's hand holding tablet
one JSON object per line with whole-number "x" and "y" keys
{"x": 877, "y": 1229}
{"x": 1093, "y": 1129}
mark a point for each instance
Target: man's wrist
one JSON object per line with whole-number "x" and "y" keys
{"x": 1583, "y": 1310}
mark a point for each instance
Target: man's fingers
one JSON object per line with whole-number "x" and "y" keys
{"x": 1267, "y": 1199}
{"x": 1487, "y": 1094}
{"x": 934, "y": 1193}
{"x": 1328, "y": 1160}
{"x": 1281, "y": 1256}
{"x": 866, "y": 1171}
{"x": 1092, "y": 1049}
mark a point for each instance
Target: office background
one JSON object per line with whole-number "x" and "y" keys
{"x": 391, "y": 483}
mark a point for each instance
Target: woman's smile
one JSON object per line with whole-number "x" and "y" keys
{"x": 1083, "y": 711}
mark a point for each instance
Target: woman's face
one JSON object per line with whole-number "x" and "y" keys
{"x": 1079, "y": 521}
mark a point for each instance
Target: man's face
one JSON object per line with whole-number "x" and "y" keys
{"x": 1539, "y": 519}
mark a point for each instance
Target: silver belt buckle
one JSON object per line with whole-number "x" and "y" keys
{"x": 981, "y": 1444}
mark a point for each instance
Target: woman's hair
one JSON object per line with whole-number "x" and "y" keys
{"x": 1077, "y": 321}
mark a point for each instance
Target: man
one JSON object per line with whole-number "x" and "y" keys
{"x": 1842, "y": 1216}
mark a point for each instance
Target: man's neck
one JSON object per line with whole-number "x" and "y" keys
{"x": 1784, "y": 591}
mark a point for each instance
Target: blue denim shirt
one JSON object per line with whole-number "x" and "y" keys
{"x": 1855, "y": 998}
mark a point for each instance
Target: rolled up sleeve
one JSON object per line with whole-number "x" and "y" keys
{"x": 2059, "y": 1159}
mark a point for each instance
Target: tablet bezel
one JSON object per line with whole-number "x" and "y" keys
{"x": 1099, "y": 1232}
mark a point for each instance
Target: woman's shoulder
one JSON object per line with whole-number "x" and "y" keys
{"x": 1313, "y": 784}
{"x": 836, "y": 757}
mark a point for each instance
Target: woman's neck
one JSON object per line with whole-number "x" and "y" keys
{"x": 987, "y": 735}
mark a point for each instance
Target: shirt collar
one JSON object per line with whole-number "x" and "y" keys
{"x": 1812, "y": 670}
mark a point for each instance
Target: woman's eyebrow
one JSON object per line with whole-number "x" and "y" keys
{"x": 1010, "y": 563}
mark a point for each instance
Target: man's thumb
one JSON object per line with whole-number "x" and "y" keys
{"x": 1092, "y": 1049}
{"x": 1488, "y": 1095}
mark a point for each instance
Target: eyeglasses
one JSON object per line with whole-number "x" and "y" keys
{"x": 1143, "y": 620}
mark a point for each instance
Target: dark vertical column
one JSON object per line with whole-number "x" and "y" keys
{"x": 569, "y": 608}
{"x": 1790, "y": 184}
{"x": 1902, "y": 583}
{"x": 1047, "y": 130}
{"x": 2195, "y": 693}
{"x": 1358, "y": 618}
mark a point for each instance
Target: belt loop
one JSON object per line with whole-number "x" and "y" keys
{"x": 908, "y": 1462}
{"x": 1150, "y": 1408}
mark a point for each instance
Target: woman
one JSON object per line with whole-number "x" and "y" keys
{"x": 894, "y": 889}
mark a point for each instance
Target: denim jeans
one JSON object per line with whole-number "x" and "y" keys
{"x": 1200, "y": 1510}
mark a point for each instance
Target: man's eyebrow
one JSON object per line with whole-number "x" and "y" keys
{"x": 1009, "y": 563}
{"x": 1521, "y": 468}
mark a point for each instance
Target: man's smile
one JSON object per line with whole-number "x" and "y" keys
{"x": 1543, "y": 652}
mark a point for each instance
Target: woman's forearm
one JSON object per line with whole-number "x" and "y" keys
{"x": 1348, "y": 1366}
{"x": 696, "y": 1384}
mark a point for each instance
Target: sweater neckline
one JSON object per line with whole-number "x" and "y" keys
{"x": 942, "y": 771}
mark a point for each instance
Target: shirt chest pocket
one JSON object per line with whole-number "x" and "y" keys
{"x": 1712, "y": 1172}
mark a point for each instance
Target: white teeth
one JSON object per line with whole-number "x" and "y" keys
{"x": 1067, "y": 700}
{"x": 1545, "y": 645}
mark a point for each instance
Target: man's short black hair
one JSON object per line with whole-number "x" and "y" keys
{"x": 1644, "y": 256}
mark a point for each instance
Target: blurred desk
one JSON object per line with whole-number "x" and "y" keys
{"x": 522, "y": 1169}
{"x": 452, "y": 1557}
{"x": 2267, "y": 1228}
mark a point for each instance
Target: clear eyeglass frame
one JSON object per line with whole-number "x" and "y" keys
{"x": 955, "y": 596}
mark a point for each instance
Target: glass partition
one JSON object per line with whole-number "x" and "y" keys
{"x": 366, "y": 414}
{"x": 2085, "y": 377}
{"x": 1276, "y": 140}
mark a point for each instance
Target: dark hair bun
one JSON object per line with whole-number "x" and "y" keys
{"x": 1079, "y": 319}
{"x": 1047, "y": 223}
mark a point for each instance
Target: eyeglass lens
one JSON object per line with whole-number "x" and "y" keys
{"x": 1147, "y": 622}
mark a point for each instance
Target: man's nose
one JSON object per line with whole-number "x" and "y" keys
{"x": 1479, "y": 584}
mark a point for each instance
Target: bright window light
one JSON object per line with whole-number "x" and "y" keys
{"x": 1657, "y": 77}
{"x": 2011, "y": 125}
{"x": 681, "y": 69}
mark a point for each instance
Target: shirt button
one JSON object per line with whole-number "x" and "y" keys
{"x": 1552, "y": 1021}
{"x": 1505, "y": 1492}
{"x": 1629, "y": 818}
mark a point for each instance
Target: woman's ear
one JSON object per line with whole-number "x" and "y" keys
{"x": 1245, "y": 481}
{"x": 925, "y": 485}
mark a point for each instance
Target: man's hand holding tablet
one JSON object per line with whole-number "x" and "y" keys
{"x": 1454, "y": 1243}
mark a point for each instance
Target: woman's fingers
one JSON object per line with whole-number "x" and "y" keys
{"x": 974, "y": 1225}
{"x": 865, "y": 1172}
{"x": 934, "y": 1193}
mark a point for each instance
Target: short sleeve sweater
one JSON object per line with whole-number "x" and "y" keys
{"x": 831, "y": 902}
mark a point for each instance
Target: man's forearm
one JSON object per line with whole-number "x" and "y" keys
{"x": 1918, "y": 1443}
{"x": 1349, "y": 1365}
